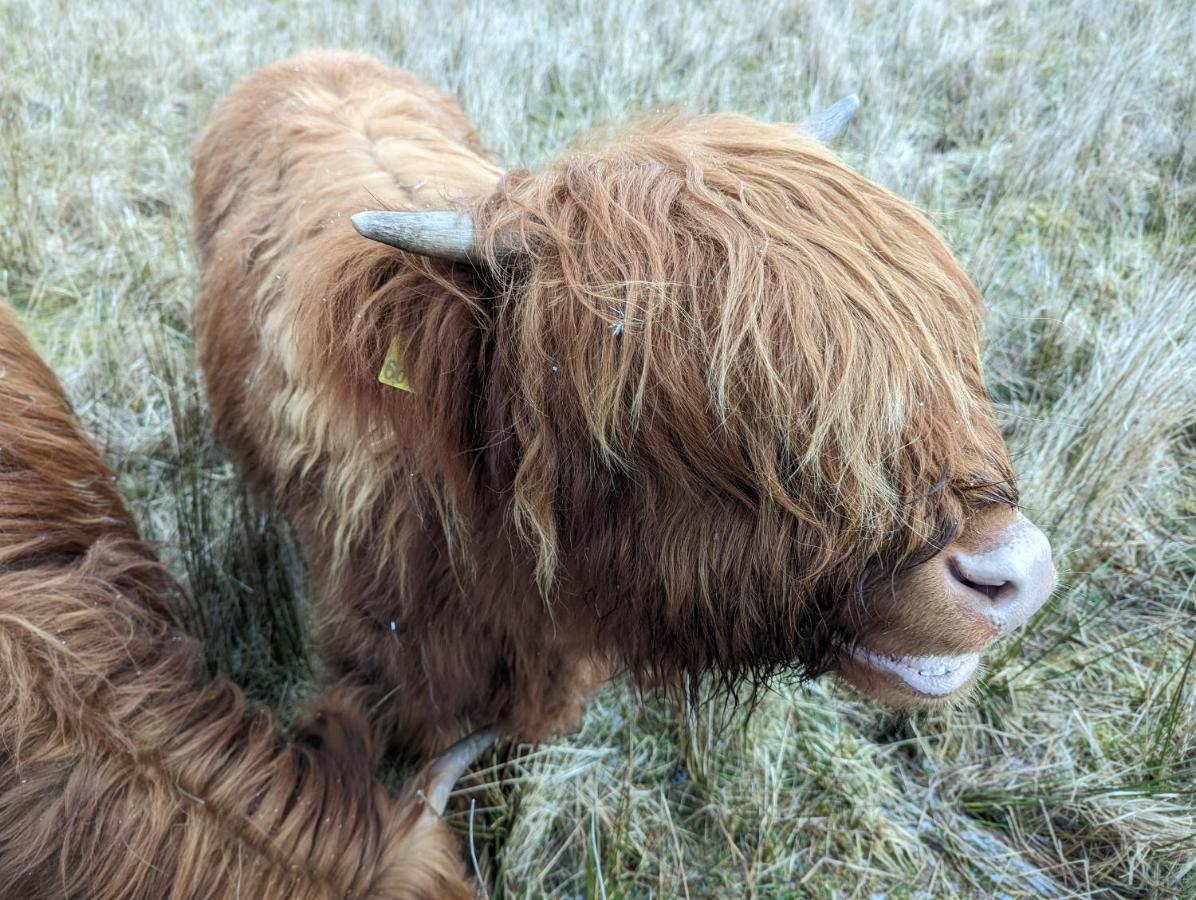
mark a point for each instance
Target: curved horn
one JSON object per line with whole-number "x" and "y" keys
{"x": 444, "y": 234}
{"x": 830, "y": 122}
{"x": 448, "y": 768}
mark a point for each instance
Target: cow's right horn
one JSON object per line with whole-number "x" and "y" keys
{"x": 443, "y": 234}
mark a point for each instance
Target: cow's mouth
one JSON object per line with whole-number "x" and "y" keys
{"x": 931, "y": 677}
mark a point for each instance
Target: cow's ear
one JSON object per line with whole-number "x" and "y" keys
{"x": 442, "y": 234}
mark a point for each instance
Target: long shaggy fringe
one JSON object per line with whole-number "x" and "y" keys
{"x": 726, "y": 385}
{"x": 125, "y": 772}
{"x": 731, "y": 309}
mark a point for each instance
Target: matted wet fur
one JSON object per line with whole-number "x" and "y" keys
{"x": 722, "y": 387}
{"x": 125, "y": 771}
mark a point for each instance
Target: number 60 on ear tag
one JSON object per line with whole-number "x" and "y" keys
{"x": 392, "y": 373}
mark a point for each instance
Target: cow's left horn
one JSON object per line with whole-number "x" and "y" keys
{"x": 443, "y": 774}
{"x": 444, "y": 234}
{"x": 830, "y": 122}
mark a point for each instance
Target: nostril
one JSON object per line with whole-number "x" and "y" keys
{"x": 993, "y": 588}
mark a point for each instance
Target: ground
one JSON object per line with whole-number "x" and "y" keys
{"x": 1054, "y": 145}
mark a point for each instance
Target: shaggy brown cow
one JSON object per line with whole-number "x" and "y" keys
{"x": 694, "y": 399}
{"x": 124, "y": 771}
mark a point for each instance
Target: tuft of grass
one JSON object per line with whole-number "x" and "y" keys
{"x": 1055, "y": 146}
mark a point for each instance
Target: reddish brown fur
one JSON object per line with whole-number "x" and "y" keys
{"x": 791, "y": 416}
{"x": 125, "y": 772}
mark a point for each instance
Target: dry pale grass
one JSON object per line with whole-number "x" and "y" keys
{"x": 1054, "y": 144}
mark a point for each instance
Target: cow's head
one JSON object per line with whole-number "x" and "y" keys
{"x": 738, "y": 385}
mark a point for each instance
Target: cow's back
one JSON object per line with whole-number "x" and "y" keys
{"x": 286, "y": 159}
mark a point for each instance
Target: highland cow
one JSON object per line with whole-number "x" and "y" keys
{"x": 694, "y": 402}
{"x": 125, "y": 772}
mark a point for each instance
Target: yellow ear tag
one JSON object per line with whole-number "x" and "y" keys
{"x": 392, "y": 373}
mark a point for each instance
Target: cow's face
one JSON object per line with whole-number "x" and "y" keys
{"x": 740, "y": 386}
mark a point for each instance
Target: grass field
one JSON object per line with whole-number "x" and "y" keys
{"x": 1055, "y": 146}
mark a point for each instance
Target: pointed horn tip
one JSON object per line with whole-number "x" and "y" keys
{"x": 366, "y": 223}
{"x": 829, "y": 123}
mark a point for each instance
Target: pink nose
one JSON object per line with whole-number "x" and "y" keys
{"x": 1010, "y": 578}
